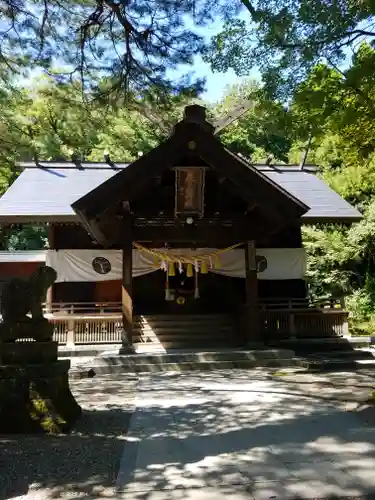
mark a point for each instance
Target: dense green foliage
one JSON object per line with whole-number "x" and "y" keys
{"x": 341, "y": 119}
{"x": 131, "y": 43}
{"x": 286, "y": 39}
{"x": 266, "y": 129}
{"x": 137, "y": 44}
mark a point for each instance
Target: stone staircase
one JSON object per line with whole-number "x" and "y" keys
{"x": 184, "y": 331}
{"x": 183, "y": 342}
{"x": 180, "y": 361}
{"x": 343, "y": 353}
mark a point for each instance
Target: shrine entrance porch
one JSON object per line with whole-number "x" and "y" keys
{"x": 202, "y": 294}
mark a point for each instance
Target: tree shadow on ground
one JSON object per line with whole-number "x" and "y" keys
{"x": 223, "y": 432}
{"x": 83, "y": 464}
{"x": 345, "y": 386}
{"x": 229, "y": 435}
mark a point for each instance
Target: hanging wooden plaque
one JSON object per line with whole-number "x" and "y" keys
{"x": 189, "y": 191}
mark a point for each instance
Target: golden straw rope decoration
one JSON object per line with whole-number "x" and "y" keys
{"x": 203, "y": 261}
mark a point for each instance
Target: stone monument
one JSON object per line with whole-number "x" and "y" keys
{"x": 34, "y": 385}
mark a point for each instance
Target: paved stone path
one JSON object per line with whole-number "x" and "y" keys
{"x": 241, "y": 435}
{"x": 232, "y": 435}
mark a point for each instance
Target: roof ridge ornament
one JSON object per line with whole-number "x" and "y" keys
{"x": 196, "y": 114}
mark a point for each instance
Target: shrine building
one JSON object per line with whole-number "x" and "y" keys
{"x": 188, "y": 230}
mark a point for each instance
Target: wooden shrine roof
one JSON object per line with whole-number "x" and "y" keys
{"x": 45, "y": 192}
{"x": 87, "y": 192}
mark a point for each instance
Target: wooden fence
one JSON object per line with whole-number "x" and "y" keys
{"x": 106, "y": 328}
{"x": 61, "y": 308}
{"x": 84, "y": 308}
{"x": 80, "y": 329}
{"x": 304, "y": 323}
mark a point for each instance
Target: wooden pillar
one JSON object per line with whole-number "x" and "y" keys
{"x": 252, "y": 319}
{"x": 51, "y": 246}
{"x": 127, "y": 282}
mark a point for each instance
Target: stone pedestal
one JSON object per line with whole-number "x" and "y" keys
{"x": 20, "y": 353}
{"x": 35, "y": 394}
{"x": 41, "y": 330}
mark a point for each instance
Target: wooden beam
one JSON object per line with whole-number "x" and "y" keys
{"x": 111, "y": 227}
{"x": 38, "y": 219}
{"x": 215, "y": 235}
{"x": 252, "y": 316}
{"x": 92, "y": 226}
{"x": 127, "y": 285}
{"x": 250, "y": 227}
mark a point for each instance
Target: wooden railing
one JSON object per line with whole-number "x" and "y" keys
{"x": 81, "y": 329}
{"x": 300, "y": 303}
{"x": 65, "y": 308}
{"x": 304, "y": 323}
{"x": 277, "y": 324}
{"x": 82, "y": 307}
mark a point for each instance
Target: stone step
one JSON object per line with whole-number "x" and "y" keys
{"x": 185, "y": 330}
{"x": 304, "y": 346}
{"x": 190, "y": 343}
{"x": 350, "y": 359}
{"x": 337, "y": 364}
{"x": 186, "y": 366}
{"x": 182, "y": 327}
{"x": 213, "y": 355}
{"x": 198, "y": 366}
{"x": 352, "y": 354}
{"x": 183, "y": 336}
{"x": 182, "y": 318}
{"x": 214, "y": 360}
{"x": 82, "y": 350}
{"x": 359, "y": 341}
{"x": 173, "y": 330}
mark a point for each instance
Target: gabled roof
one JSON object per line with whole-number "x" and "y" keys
{"x": 63, "y": 191}
{"x": 325, "y": 204}
{"x": 46, "y": 193}
{"x": 190, "y": 137}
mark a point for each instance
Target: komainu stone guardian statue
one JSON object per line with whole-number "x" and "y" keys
{"x": 34, "y": 384}
{"x": 21, "y": 298}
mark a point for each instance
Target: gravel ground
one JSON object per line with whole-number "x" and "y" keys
{"x": 83, "y": 464}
